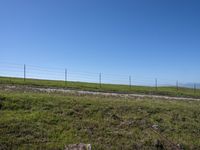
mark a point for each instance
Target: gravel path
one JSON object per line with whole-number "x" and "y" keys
{"x": 50, "y": 90}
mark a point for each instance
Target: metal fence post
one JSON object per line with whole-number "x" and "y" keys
{"x": 100, "y": 80}
{"x": 65, "y": 77}
{"x": 156, "y": 84}
{"x": 130, "y": 81}
{"x": 24, "y": 72}
{"x": 177, "y": 88}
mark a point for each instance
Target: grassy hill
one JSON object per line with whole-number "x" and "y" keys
{"x": 39, "y": 120}
{"x": 167, "y": 91}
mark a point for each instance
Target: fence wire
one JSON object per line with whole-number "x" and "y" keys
{"x": 66, "y": 74}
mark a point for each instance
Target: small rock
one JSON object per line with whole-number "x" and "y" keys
{"x": 126, "y": 124}
{"x": 155, "y": 127}
{"x": 80, "y": 146}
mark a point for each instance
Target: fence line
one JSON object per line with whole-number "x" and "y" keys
{"x": 66, "y": 75}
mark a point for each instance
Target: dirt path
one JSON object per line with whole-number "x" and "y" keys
{"x": 49, "y": 90}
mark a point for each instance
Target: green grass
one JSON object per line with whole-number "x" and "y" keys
{"x": 33, "y": 120}
{"x": 168, "y": 91}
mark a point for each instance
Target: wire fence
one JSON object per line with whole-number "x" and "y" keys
{"x": 65, "y": 74}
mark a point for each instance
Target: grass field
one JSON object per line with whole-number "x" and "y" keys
{"x": 167, "y": 91}
{"x": 38, "y": 120}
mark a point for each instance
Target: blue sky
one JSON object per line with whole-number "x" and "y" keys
{"x": 142, "y": 38}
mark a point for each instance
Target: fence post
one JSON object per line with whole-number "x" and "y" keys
{"x": 100, "y": 80}
{"x": 177, "y": 85}
{"x": 156, "y": 84}
{"x": 24, "y": 72}
{"x": 130, "y": 82}
{"x": 65, "y": 77}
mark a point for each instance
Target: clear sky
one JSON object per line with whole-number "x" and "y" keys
{"x": 143, "y": 38}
